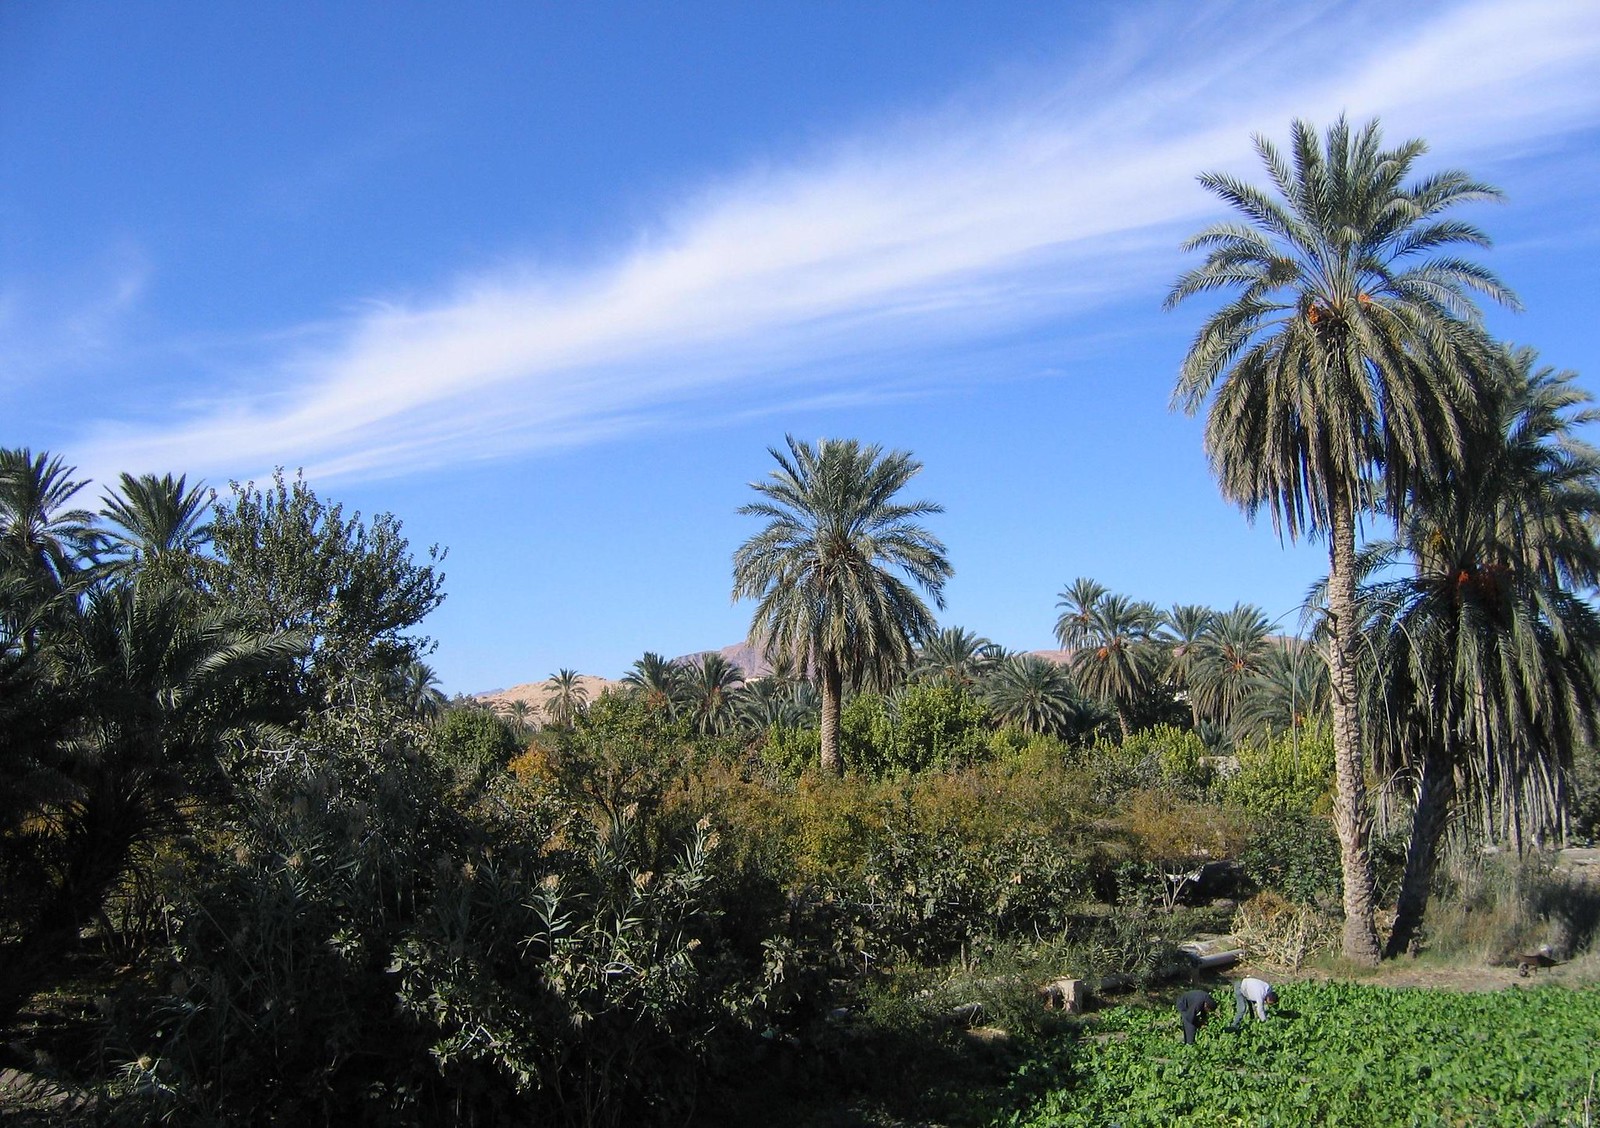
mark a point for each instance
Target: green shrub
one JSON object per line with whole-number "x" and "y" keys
{"x": 1290, "y": 772}
{"x": 931, "y": 892}
{"x": 941, "y": 727}
{"x": 793, "y": 751}
{"x": 1118, "y": 767}
{"x": 1175, "y": 837}
{"x": 1295, "y": 855}
{"x": 1162, "y": 757}
{"x": 624, "y": 751}
{"x": 548, "y": 966}
{"x": 473, "y": 742}
{"x": 1177, "y": 753}
{"x": 271, "y": 1002}
{"x": 1584, "y": 793}
{"x": 927, "y": 726}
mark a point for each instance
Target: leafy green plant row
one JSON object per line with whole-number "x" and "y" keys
{"x": 1333, "y": 1054}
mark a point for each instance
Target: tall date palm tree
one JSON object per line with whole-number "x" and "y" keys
{"x": 1233, "y": 654}
{"x": 566, "y": 697}
{"x": 660, "y": 680}
{"x": 1078, "y": 602}
{"x": 1495, "y": 677}
{"x": 710, "y": 682}
{"x": 1186, "y": 628}
{"x": 43, "y": 543}
{"x": 1344, "y": 365}
{"x": 1036, "y": 696}
{"x": 826, "y": 570}
{"x": 956, "y": 656}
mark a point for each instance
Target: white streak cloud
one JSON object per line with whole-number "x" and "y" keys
{"x": 967, "y": 223}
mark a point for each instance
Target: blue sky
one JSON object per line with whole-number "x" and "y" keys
{"x": 546, "y": 281}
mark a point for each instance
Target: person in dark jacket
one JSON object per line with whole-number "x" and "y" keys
{"x": 1193, "y": 1007}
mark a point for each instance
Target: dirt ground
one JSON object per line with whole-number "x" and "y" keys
{"x": 1422, "y": 973}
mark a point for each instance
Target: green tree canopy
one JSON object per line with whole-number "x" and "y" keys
{"x": 286, "y": 560}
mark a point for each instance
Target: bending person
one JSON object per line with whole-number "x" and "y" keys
{"x": 1193, "y": 1008}
{"x": 1252, "y": 992}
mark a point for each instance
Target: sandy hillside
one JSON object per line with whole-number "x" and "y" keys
{"x": 535, "y": 693}
{"x": 741, "y": 654}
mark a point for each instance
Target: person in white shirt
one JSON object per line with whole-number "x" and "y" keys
{"x": 1252, "y": 992}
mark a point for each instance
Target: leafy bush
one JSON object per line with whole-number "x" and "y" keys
{"x": 623, "y": 751}
{"x": 1135, "y": 941}
{"x": 473, "y": 742}
{"x": 1296, "y": 855}
{"x": 793, "y": 751}
{"x": 1286, "y": 773}
{"x": 937, "y": 726}
{"x": 1116, "y": 769}
{"x": 1011, "y": 743}
{"x": 272, "y": 992}
{"x": 1180, "y": 753}
{"x": 927, "y": 725}
{"x": 584, "y": 994}
{"x": 1177, "y": 837}
{"x": 548, "y": 967}
{"x": 928, "y": 893}
{"x": 1584, "y": 790}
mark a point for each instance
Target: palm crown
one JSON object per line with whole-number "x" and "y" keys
{"x": 1349, "y": 345}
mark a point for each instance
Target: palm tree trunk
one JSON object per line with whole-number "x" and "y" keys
{"x": 832, "y": 694}
{"x": 113, "y": 819}
{"x": 1435, "y": 793}
{"x": 1351, "y": 815}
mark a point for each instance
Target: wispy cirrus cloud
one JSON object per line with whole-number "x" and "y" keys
{"x": 987, "y": 216}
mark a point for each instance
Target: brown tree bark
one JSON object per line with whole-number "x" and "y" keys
{"x": 832, "y": 696}
{"x": 1352, "y": 816}
{"x": 114, "y": 816}
{"x": 1435, "y": 793}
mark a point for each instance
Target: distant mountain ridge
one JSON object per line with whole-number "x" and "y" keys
{"x": 742, "y": 654}
{"x": 748, "y": 658}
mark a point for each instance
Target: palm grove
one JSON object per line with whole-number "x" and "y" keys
{"x": 232, "y": 791}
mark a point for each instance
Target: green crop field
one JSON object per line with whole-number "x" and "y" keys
{"x": 1338, "y": 1054}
